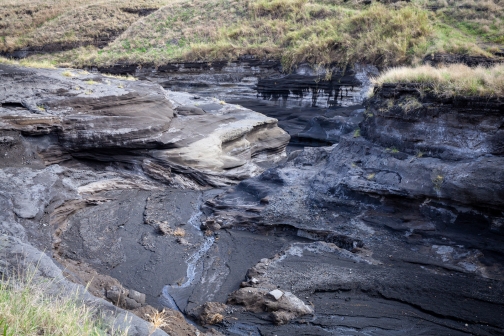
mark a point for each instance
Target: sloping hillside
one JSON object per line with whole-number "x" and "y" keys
{"x": 320, "y": 32}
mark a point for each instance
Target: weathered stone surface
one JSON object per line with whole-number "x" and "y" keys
{"x": 367, "y": 234}
{"x": 105, "y": 119}
{"x": 284, "y": 309}
{"x": 53, "y": 121}
{"x": 209, "y": 313}
{"x": 381, "y": 213}
{"x": 188, "y": 110}
{"x": 249, "y": 78}
{"x": 137, "y": 296}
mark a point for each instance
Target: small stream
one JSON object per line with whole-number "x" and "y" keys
{"x": 295, "y": 120}
{"x": 192, "y": 267}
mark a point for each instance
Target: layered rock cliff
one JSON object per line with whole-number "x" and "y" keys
{"x": 90, "y": 116}
{"x": 82, "y": 154}
{"x": 396, "y": 226}
{"x": 408, "y": 208}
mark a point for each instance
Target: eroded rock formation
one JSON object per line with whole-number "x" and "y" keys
{"x": 105, "y": 119}
{"x": 396, "y": 225}
{"x": 406, "y": 212}
{"x": 84, "y": 156}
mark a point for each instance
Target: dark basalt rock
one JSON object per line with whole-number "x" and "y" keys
{"x": 472, "y": 61}
{"x": 252, "y": 78}
{"x": 452, "y": 128}
{"x": 416, "y": 186}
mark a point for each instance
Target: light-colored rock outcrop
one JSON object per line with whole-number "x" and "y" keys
{"x": 138, "y": 123}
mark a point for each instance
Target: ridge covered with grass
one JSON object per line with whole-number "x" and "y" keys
{"x": 320, "y": 32}
{"x": 449, "y": 81}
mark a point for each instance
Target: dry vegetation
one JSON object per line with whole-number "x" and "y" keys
{"x": 320, "y": 32}
{"x": 292, "y": 30}
{"x": 29, "y": 63}
{"x": 26, "y": 310}
{"x": 316, "y": 31}
{"x": 452, "y": 80}
{"x": 67, "y": 23}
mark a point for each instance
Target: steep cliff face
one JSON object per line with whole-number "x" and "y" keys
{"x": 417, "y": 187}
{"x": 415, "y": 147}
{"x": 457, "y": 144}
{"x": 251, "y": 78}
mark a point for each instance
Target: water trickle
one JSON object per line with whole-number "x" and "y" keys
{"x": 192, "y": 267}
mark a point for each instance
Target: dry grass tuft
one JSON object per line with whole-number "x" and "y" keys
{"x": 179, "y": 232}
{"x": 451, "y": 80}
{"x": 159, "y": 319}
{"x": 44, "y": 64}
{"x": 215, "y": 318}
{"x": 121, "y": 77}
{"x": 67, "y": 73}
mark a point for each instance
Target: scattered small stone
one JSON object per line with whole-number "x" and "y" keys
{"x": 137, "y": 296}
{"x": 276, "y": 294}
{"x": 164, "y": 228}
{"x": 182, "y": 241}
{"x": 130, "y": 303}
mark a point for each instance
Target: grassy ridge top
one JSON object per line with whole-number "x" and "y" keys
{"x": 451, "y": 80}
{"x": 320, "y": 32}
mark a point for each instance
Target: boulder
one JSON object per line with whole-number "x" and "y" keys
{"x": 209, "y": 313}
{"x": 282, "y": 310}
